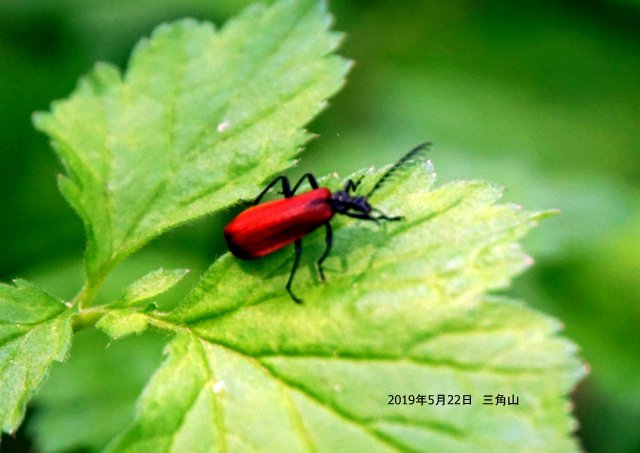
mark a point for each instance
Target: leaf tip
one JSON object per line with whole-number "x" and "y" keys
{"x": 540, "y": 215}
{"x": 100, "y": 80}
{"x": 40, "y": 119}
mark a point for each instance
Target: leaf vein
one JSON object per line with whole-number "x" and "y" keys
{"x": 332, "y": 408}
{"x": 219, "y": 410}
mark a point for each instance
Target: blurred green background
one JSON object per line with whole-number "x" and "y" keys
{"x": 542, "y": 97}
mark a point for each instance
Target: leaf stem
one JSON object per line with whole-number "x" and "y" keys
{"x": 87, "y": 318}
{"x": 162, "y": 324}
{"x": 87, "y": 294}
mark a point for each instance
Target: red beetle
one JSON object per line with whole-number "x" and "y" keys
{"x": 267, "y": 227}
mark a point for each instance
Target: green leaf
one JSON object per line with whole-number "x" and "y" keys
{"x": 119, "y": 323}
{"x": 35, "y": 330}
{"x": 200, "y": 120}
{"x": 404, "y": 312}
{"x": 90, "y": 398}
{"x": 123, "y": 318}
{"x": 151, "y": 285}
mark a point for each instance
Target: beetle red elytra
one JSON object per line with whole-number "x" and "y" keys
{"x": 264, "y": 228}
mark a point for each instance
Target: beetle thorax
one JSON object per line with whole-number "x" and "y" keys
{"x": 341, "y": 202}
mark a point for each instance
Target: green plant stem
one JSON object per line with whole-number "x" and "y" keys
{"x": 162, "y": 324}
{"x": 87, "y": 318}
{"x": 87, "y": 294}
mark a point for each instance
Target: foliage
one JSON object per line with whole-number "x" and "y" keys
{"x": 528, "y": 179}
{"x": 318, "y": 376}
{"x": 35, "y": 330}
{"x": 200, "y": 119}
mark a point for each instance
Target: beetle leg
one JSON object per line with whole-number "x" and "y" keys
{"x": 286, "y": 191}
{"x": 369, "y": 217}
{"x": 352, "y": 186}
{"x": 359, "y": 216}
{"x": 312, "y": 182}
{"x": 296, "y": 261}
{"x": 329, "y": 239}
{"x": 391, "y": 219}
{"x": 383, "y": 216}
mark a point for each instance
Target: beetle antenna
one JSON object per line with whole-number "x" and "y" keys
{"x": 405, "y": 160}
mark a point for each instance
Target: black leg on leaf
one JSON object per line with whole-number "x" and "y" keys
{"x": 296, "y": 261}
{"x": 329, "y": 241}
{"x": 286, "y": 190}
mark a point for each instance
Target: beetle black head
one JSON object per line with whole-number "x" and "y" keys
{"x": 342, "y": 203}
{"x": 356, "y": 206}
